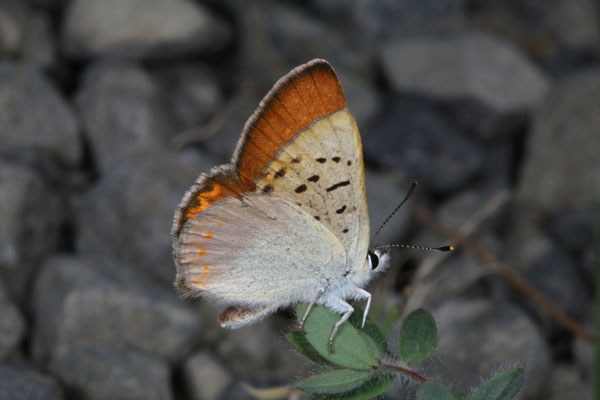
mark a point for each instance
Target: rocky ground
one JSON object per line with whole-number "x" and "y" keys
{"x": 109, "y": 109}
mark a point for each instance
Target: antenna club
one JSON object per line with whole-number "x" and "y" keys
{"x": 446, "y": 248}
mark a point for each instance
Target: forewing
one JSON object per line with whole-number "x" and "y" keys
{"x": 303, "y": 145}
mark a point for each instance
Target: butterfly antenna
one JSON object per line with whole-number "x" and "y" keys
{"x": 408, "y": 194}
{"x": 410, "y": 246}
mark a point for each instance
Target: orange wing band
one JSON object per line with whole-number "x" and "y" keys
{"x": 222, "y": 182}
{"x": 297, "y": 100}
{"x": 214, "y": 188}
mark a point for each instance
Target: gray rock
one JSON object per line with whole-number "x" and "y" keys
{"x": 555, "y": 274}
{"x": 566, "y": 26}
{"x": 193, "y": 92}
{"x": 104, "y": 302}
{"x": 545, "y": 263}
{"x": 583, "y": 350}
{"x": 205, "y": 377}
{"x": 24, "y": 383}
{"x": 26, "y": 34}
{"x": 11, "y": 34}
{"x": 488, "y": 82}
{"x": 291, "y": 37}
{"x": 573, "y": 23}
{"x": 568, "y": 383}
{"x": 50, "y": 5}
{"x": 499, "y": 169}
{"x": 123, "y": 112}
{"x": 102, "y": 372}
{"x": 141, "y": 28}
{"x": 12, "y": 325}
{"x": 366, "y": 23}
{"x": 573, "y": 231}
{"x": 40, "y": 42}
{"x": 414, "y": 138}
{"x": 129, "y": 213}
{"x": 561, "y": 168}
{"x": 31, "y": 213}
{"x": 35, "y": 116}
{"x": 478, "y": 338}
{"x": 574, "y": 228}
{"x": 526, "y": 242}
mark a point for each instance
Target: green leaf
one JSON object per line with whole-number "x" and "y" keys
{"x": 371, "y": 329}
{"x": 371, "y": 389}
{"x": 418, "y": 336}
{"x": 336, "y": 381}
{"x": 432, "y": 390}
{"x": 350, "y": 349}
{"x": 503, "y": 386}
{"x": 301, "y": 344}
{"x": 458, "y": 394}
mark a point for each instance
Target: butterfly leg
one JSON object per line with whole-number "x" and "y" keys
{"x": 310, "y": 306}
{"x": 346, "y": 310}
{"x": 361, "y": 293}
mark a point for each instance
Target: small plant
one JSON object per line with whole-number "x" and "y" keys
{"x": 361, "y": 366}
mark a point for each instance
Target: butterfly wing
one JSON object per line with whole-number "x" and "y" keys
{"x": 291, "y": 205}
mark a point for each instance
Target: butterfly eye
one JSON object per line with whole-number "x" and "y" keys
{"x": 373, "y": 259}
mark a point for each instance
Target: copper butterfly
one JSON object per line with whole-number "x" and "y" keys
{"x": 286, "y": 221}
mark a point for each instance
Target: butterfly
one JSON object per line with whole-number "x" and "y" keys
{"x": 286, "y": 221}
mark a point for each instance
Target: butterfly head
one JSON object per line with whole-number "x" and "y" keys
{"x": 378, "y": 260}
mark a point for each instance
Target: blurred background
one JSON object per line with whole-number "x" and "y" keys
{"x": 110, "y": 109}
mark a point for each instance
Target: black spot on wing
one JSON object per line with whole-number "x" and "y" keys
{"x": 321, "y": 160}
{"x": 296, "y": 160}
{"x": 301, "y": 188}
{"x": 341, "y": 210}
{"x": 349, "y": 163}
{"x": 280, "y": 173}
{"x": 268, "y": 188}
{"x": 336, "y": 159}
{"x": 338, "y": 185}
{"x": 314, "y": 178}
{"x": 345, "y": 230}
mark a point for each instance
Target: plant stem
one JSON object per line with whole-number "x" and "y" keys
{"x": 407, "y": 372}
